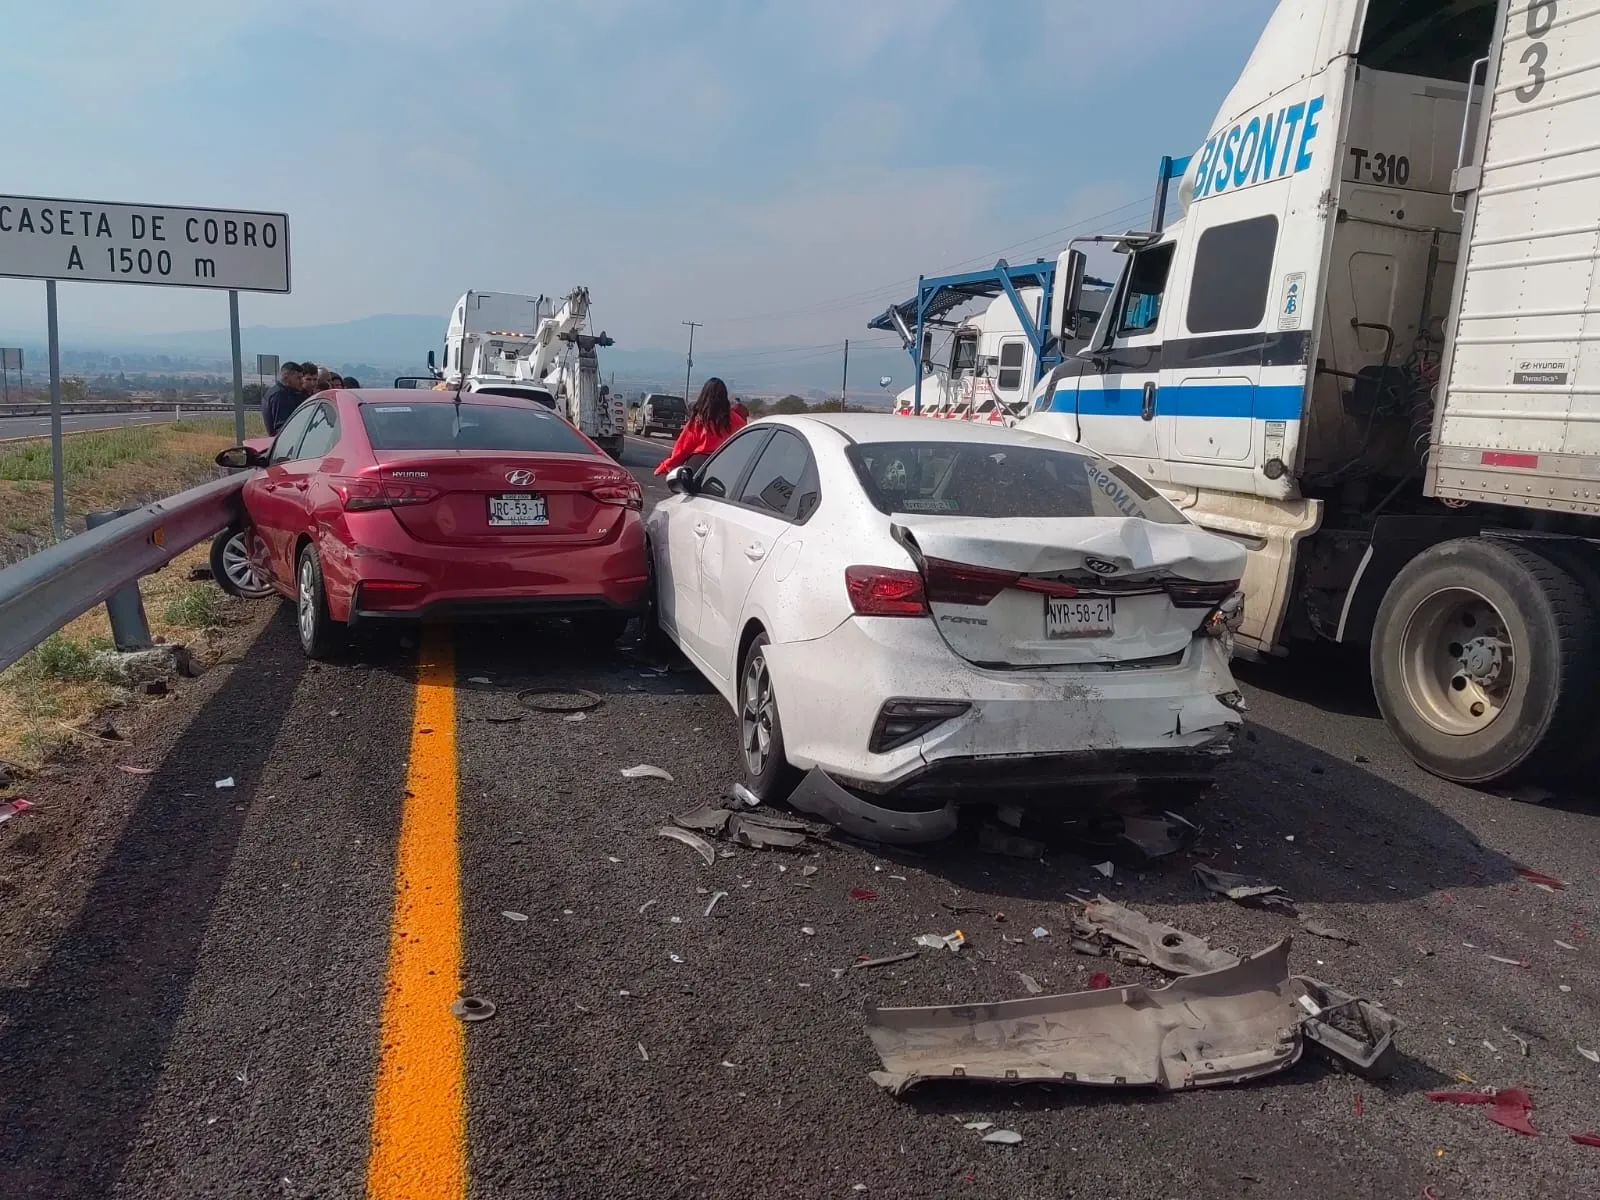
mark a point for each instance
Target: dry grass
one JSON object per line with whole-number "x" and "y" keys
{"x": 53, "y": 690}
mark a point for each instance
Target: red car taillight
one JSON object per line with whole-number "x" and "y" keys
{"x": 885, "y": 592}
{"x": 961, "y": 583}
{"x": 359, "y": 495}
{"x": 1186, "y": 593}
{"x": 624, "y": 493}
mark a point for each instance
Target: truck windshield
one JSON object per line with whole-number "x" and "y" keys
{"x": 433, "y": 426}
{"x": 987, "y": 479}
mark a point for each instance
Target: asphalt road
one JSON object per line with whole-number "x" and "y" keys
{"x": 202, "y": 994}
{"x": 31, "y": 427}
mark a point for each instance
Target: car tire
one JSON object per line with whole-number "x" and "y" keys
{"x": 767, "y": 772}
{"x": 1482, "y": 657}
{"x": 599, "y": 629}
{"x": 320, "y": 638}
{"x": 232, "y": 566}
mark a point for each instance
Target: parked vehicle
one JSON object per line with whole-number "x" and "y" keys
{"x": 401, "y": 504}
{"x": 660, "y": 414}
{"x": 931, "y": 614}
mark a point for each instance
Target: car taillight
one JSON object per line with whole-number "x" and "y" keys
{"x": 623, "y": 493}
{"x": 885, "y": 592}
{"x": 962, "y": 583}
{"x": 360, "y": 495}
{"x": 902, "y": 721}
{"x": 1186, "y": 593}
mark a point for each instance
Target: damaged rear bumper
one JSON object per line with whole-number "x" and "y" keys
{"x": 1228, "y": 1025}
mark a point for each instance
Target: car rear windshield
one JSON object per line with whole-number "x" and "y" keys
{"x": 667, "y": 404}
{"x": 437, "y": 426}
{"x": 982, "y": 479}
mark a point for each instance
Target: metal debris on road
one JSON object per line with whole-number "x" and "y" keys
{"x": 224, "y": 784}
{"x": 693, "y": 840}
{"x": 473, "y": 1008}
{"x": 646, "y": 771}
{"x": 1508, "y": 1107}
{"x": 1130, "y": 1036}
{"x": 715, "y": 897}
{"x": 1003, "y": 1137}
{"x": 1241, "y": 889}
{"x": 947, "y": 941}
{"x": 1322, "y": 930}
{"x": 514, "y": 916}
{"x": 556, "y": 700}
{"x": 886, "y": 960}
{"x": 1030, "y": 983}
{"x": 12, "y": 807}
{"x": 993, "y": 840}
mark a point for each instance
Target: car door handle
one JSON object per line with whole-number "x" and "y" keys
{"x": 701, "y": 530}
{"x": 1149, "y": 412}
{"x": 755, "y": 551}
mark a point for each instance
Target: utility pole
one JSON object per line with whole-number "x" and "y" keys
{"x": 844, "y": 385}
{"x": 688, "y": 369}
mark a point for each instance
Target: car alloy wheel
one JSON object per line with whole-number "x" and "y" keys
{"x": 241, "y": 568}
{"x": 306, "y": 603}
{"x": 758, "y": 714}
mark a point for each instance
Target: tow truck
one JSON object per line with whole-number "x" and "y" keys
{"x": 1367, "y": 352}
{"x": 513, "y": 345}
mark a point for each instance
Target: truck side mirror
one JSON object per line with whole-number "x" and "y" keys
{"x": 430, "y": 360}
{"x": 1067, "y": 300}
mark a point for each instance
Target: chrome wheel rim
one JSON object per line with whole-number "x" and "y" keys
{"x": 241, "y": 565}
{"x": 307, "y": 603}
{"x": 758, "y": 715}
{"x": 1458, "y": 662}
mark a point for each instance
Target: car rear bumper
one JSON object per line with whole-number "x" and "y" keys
{"x": 455, "y": 582}
{"x": 1031, "y": 730}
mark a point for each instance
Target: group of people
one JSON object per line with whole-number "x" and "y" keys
{"x": 297, "y": 383}
{"x": 713, "y": 420}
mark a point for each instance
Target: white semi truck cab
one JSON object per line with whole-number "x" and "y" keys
{"x": 1369, "y": 351}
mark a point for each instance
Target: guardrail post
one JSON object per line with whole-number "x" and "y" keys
{"x": 125, "y": 606}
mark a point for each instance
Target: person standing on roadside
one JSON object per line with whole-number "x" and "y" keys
{"x": 283, "y": 397}
{"x": 308, "y": 373}
{"x": 711, "y": 422}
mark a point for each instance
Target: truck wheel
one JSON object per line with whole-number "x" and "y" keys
{"x": 1579, "y": 559}
{"x": 1481, "y": 659}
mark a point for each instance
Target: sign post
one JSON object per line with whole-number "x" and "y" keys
{"x": 11, "y": 360}
{"x": 94, "y": 242}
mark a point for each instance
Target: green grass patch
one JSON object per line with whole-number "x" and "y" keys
{"x": 196, "y": 607}
{"x": 86, "y": 454}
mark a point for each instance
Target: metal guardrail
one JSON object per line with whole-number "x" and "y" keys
{"x": 132, "y": 406}
{"x": 44, "y": 591}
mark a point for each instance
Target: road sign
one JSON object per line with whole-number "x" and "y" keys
{"x": 139, "y": 243}
{"x": 267, "y": 364}
{"x": 11, "y": 358}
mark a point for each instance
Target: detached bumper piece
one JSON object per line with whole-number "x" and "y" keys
{"x": 872, "y": 821}
{"x": 1225, "y": 1026}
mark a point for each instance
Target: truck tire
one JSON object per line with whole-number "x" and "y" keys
{"x": 1581, "y": 560}
{"x": 1481, "y": 657}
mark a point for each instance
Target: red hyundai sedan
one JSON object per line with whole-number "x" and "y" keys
{"x": 383, "y": 504}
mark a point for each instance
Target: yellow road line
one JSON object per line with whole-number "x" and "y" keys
{"x": 419, "y": 1106}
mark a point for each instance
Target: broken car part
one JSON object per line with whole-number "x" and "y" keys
{"x": 1242, "y": 889}
{"x": 646, "y": 771}
{"x": 1508, "y": 1107}
{"x": 704, "y": 819}
{"x": 473, "y": 1008}
{"x": 1353, "y": 1033}
{"x": 1221, "y": 1027}
{"x": 1168, "y": 948}
{"x": 822, "y": 797}
{"x": 706, "y": 849}
{"x": 761, "y": 835}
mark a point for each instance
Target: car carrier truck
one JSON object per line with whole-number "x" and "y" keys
{"x": 1369, "y": 351}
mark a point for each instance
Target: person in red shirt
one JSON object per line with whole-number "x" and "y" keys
{"x": 711, "y": 422}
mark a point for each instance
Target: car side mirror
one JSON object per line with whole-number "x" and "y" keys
{"x": 680, "y": 481}
{"x": 241, "y": 458}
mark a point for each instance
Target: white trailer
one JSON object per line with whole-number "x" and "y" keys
{"x": 1369, "y": 350}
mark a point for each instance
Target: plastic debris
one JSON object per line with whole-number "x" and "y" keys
{"x": 1586, "y": 1139}
{"x": 743, "y": 795}
{"x": 808, "y": 931}
{"x": 759, "y": 834}
{"x": 948, "y": 941}
{"x": 1510, "y": 962}
{"x": 1508, "y": 1107}
{"x": 1591, "y": 1055}
{"x": 1522, "y": 1042}
{"x": 648, "y": 904}
{"x": 1241, "y": 889}
{"x": 555, "y": 700}
{"x": 980, "y": 1126}
{"x": 705, "y": 819}
{"x": 1540, "y": 880}
{"x": 885, "y": 961}
{"x": 1359, "y": 1108}
{"x": 1106, "y": 868}
{"x": 1565, "y": 945}
{"x": 693, "y": 840}
{"x": 1003, "y": 1137}
{"x": 574, "y": 718}
{"x": 715, "y": 897}
{"x": 1323, "y": 930}
{"x": 127, "y": 770}
{"x": 809, "y": 870}
{"x": 1164, "y": 946}
{"x": 12, "y": 807}
{"x": 643, "y": 1053}
{"x": 993, "y": 840}
{"x": 863, "y": 893}
{"x": 1158, "y": 836}
{"x": 646, "y": 771}
{"x": 675, "y": 920}
{"x": 1099, "y": 981}
{"x": 514, "y": 916}
{"x": 1030, "y": 983}
{"x": 1041, "y": 932}
{"x": 224, "y": 784}
{"x": 478, "y": 679}
{"x": 472, "y": 1008}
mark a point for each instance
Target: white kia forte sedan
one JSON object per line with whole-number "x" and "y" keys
{"x": 916, "y": 615}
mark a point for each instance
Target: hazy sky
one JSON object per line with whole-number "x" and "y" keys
{"x": 777, "y": 170}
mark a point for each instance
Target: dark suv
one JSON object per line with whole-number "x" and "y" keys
{"x": 661, "y": 414}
